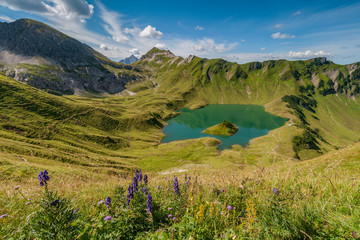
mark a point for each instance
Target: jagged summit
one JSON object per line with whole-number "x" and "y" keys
{"x": 129, "y": 60}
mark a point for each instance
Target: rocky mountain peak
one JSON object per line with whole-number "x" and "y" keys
{"x": 34, "y": 53}
{"x": 32, "y": 38}
{"x": 156, "y": 54}
{"x": 129, "y": 60}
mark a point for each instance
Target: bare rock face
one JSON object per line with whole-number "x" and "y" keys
{"x": 31, "y": 38}
{"x": 45, "y": 58}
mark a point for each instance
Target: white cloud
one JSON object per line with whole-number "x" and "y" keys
{"x": 160, "y": 46}
{"x": 243, "y": 40}
{"x": 208, "y": 44}
{"x": 199, "y": 28}
{"x": 260, "y": 57}
{"x": 133, "y": 31}
{"x": 252, "y": 57}
{"x": 112, "y": 24}
{"x": 135, "y": 51}
{"x": 278, "y": 25}
{"x": 279, "y": 35}
{"x": 68, "y": 9}
{"x": 202, "y": 47}
{"x": 150, "y": 32}
{"x": 308, "y": 54}
{"x": 104, "y": 47}
{"x": 108, "y": 48}
{"x": 263, "y": 48}
{"x": 25, "y": 5}
{"x": 120, "y": 38}
{"x": 297, "y": 13}
{"x": 6, "y": 18}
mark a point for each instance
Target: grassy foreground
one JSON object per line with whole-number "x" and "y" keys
{"x": 314, "y": 199}
{"x": 309, "y": 200}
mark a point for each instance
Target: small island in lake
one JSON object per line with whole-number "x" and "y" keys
{"x": 225, "y": 128}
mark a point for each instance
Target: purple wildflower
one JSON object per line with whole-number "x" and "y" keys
{"x": 174, "y": 218}
{"x": 102, "y": 201}
{"x": 145, "y": 179}
{"x": 140, "y": 176}
{"x": 108, "y": 201}
{"x": 54, "y": 203}
{"x": 137, "y": 173}
{"x": 176, "y": 186}
{"x": 275, "y": 190}
{"x": 3, "y": 216}
{"x": 28, "y": 203}
{"x": 17, "y": 187}
{"x": 144, "y": 190}
{"x": 149, "y": 202}
{"x": 169, "y": 215}
{"x": 43, "y": 177}
{"x": 229, "y": 207}
{"x": 223, "y": 190}
{"x": 76, "y": 210}
{"x": 135, "y": 183}
{"x": 169, "y": 208}
{"x": 131, "y": 191}
{"x": 107, "y": 218}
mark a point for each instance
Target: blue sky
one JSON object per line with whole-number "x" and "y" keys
{"x": 240, "y": 31}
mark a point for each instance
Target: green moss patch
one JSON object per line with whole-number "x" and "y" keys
{"x": 225, "y": 128}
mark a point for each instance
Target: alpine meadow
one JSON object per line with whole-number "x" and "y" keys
{"x": 189, "y": 144}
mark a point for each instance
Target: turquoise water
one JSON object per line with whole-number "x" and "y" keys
{"x": 252, "y": 121}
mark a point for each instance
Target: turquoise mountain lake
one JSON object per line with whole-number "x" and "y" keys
{"x": 252, "y": 121}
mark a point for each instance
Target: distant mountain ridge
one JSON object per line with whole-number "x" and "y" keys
{"x": 45, "y": 58}
{"x": 129, "y": 60}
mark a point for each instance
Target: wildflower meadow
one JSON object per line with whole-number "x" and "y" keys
{"x": 187, "y": 207}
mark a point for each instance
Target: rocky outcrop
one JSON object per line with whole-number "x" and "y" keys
{"x": 157, "y": 55}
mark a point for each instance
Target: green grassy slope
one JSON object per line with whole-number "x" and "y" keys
{"x": 74, "y": 130}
